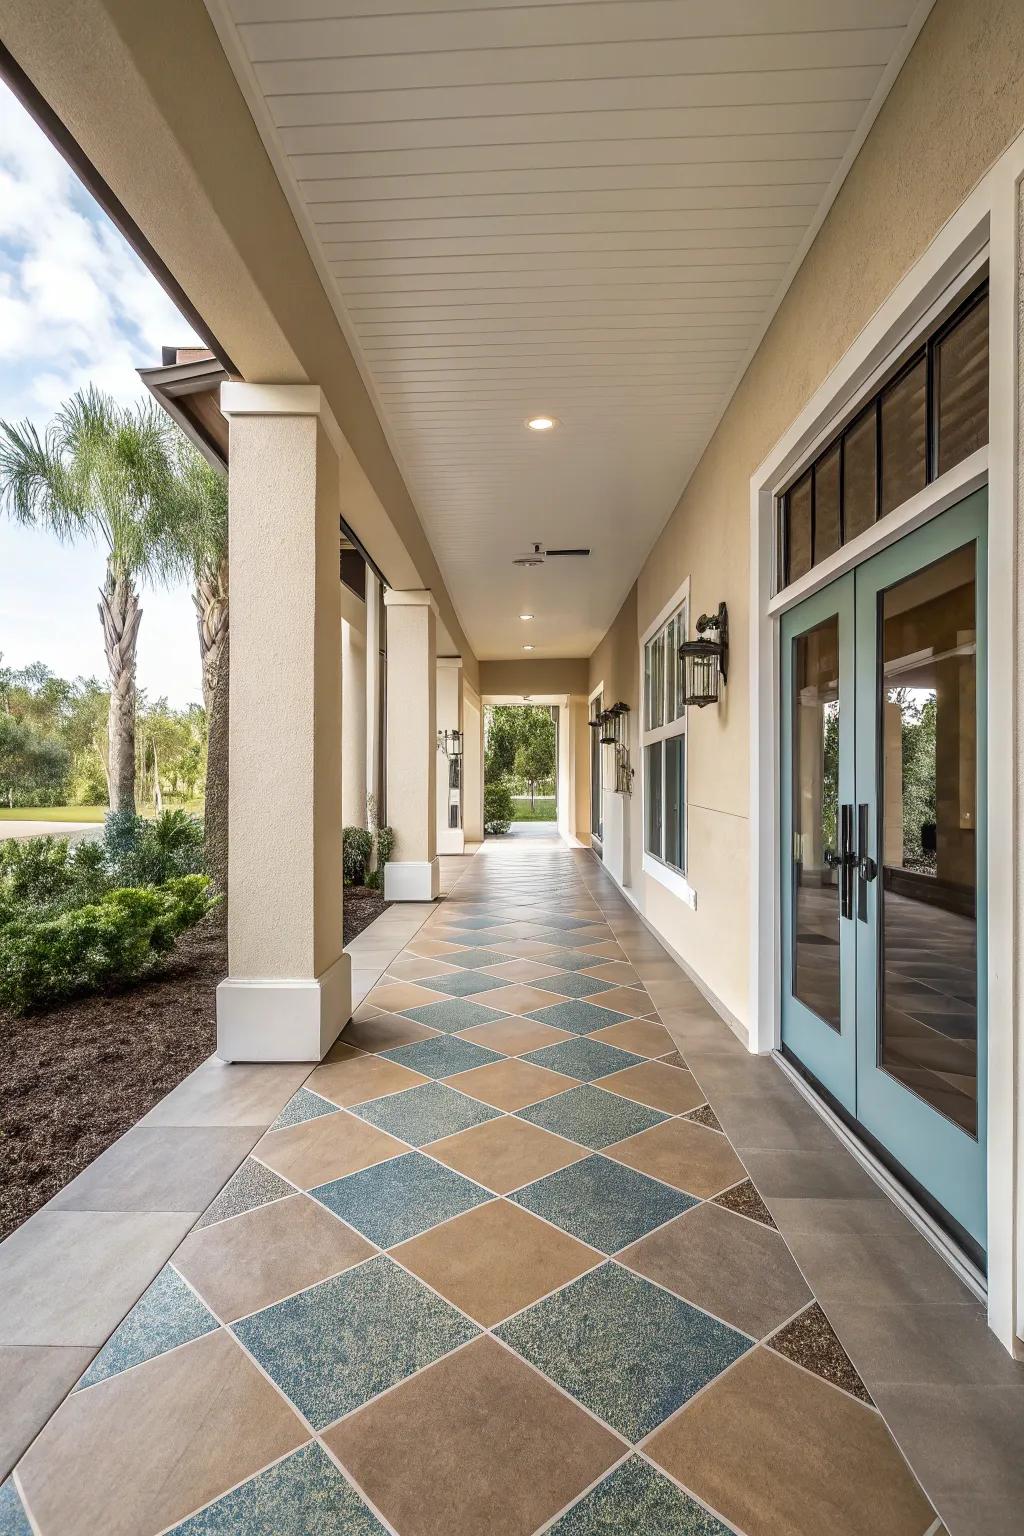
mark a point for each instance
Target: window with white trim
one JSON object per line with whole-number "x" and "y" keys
{"x": 664, "y": 744}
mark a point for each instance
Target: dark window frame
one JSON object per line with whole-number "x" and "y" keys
{"x": 923, "y": 350}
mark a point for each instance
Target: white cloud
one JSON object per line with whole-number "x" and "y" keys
{"x": 76, "y": 306}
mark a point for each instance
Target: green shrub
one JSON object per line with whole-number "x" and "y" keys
{"x": 111, "y": 942}
{"x": 50, "y": 874}
{"x": 356, "y": 848}
{"x": 141, "y": 852}
{"x": 498, "y": 808}
{"x": 385, "y": 839}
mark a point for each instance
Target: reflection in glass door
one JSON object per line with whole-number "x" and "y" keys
{"x": 883, "y": 876}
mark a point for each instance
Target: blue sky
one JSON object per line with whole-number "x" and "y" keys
{"x": 76, "y": 305}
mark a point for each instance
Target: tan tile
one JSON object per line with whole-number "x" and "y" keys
{"x": 511, "y": 1084}
{"x": 495, "y": 1260}
{"x": 515, "y": 1035}
{"x": 409, "y": 967}
{"x": 683, "y": 1154}
{"x": 606, "y": 950}
{"x": 631, "y": 1001}
{"x": 142, "y": 1450}
{"x": 257, "y": 1258}
{"x": 361, "y": 1077}
{"x": 618, "y": 971}
{"x": 780, "y": 1453}
{"x": 384, "y": 1032}
{"x": 657, "y": 1085}
{"x": 316, "y": 1151}
{"x": 737, "y": 1269}
{"x": 522, "y": 970}
{"x": 506, "y": 1153}
{"x": 34, "y": 1380}
{"x": 364, "y": 1011}
{"x": 521, "y": 999}
{"x": 422, "y": 945}
{"x": 394, "y": 996}
{"x": 478, "y": 1443}
{"x": 644, "y": 1037}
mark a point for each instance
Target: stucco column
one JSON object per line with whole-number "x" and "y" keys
{"x": 353, "y": 725}
{"x": 413, "y": 874}
{"x": 449, "y": 718}
{"x": 288, "y": 992}
{"x": 472, "y": 765}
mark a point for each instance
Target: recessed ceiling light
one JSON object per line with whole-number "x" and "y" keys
{"x": 527, "y": 647}
{"x": 525, "y": 616}
{"x": 541, "y": 423}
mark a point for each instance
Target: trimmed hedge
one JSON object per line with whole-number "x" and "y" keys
{"x": 111, "y": 942}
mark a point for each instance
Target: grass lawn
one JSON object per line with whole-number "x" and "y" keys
{"x": 542, "y": 810}
{"x": 83, "y": 813}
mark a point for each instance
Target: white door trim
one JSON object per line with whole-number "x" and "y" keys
{"x": 986, "y": 223}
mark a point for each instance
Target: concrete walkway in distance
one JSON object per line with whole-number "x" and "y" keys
{"x": 74, "y": 831}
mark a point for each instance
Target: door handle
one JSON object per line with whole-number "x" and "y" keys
{"x": 844, "y": 859}
{"x": 867, "y": 869}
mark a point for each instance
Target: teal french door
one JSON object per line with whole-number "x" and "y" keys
{"x": 883, "y": 845}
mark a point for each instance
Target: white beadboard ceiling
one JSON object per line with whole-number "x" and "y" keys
{"x": 584, "y": 210}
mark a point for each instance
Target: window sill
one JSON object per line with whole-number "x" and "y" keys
{"x": 671, "y": 879}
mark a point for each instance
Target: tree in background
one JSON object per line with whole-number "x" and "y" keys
{"x": 535, "y": 753}
{"x": 520, "y": 741}
{"x": 194, "y": 540}
{"x": 103, "y": 472}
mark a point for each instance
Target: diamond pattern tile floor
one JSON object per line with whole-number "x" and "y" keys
{"x": 563, "y": 1334}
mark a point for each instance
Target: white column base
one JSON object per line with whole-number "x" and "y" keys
{"x": 412, "y": 880}
{"x": 282, "y": 1020}
{"x": 451, "y": 840}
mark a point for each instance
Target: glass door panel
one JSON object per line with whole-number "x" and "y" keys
{"x": 817, "y": 748}
{"x": 920, "y": 760}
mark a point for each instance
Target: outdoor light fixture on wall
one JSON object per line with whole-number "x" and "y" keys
{"x": 611, "y": 723}
{"x": 450, "y": 743}
{"x": 705, "y": 660}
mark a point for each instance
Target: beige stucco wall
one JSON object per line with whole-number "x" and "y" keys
{"x": 957, "y": 103}
{"x": 285, "y": 828}
{"x": 547, "y": 675}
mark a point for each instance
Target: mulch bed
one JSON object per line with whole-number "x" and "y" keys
{"x": 74, "y": 1079}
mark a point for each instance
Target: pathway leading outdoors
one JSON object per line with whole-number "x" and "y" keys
{"x": 496, "y": 1267}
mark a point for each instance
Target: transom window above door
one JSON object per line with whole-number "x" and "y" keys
{"x": 664, "y": 743}
{"x": 931, "y": 413}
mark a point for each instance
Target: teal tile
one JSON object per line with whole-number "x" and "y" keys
{"x": 636, "y": 1498}
{"x": 424, "y": 1114}
{"x": 304, "y": 1105}
{"x": 441, "y": 1056}
{"x": 603, "y": 1203}
{"x": 571, "y": 960}
{"x": 578, "y": 1016}
{"x": 333, "y": 1347}
{"x": 584, "y": 1058}
{"x": 462, "y": 983}
{"x": 627, "y": 1350}
{"x": 301, "y": 1495}
{"x": 453, "y": 1014}
{"x": 472, "y": 958}
{"x": 13, "y": 1520}
{"x": 253, "y": 1185}
{"x": 592, "y": 1116}
{"x": 575, "y": 984}
{"x": 396, "y": 1200}
{"x": 168, "y": 1314}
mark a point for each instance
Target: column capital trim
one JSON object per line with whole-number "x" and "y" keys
{"x": 450, "y": 661}
{"x": 240, "y": 399}
{"x": 421, "y": 598}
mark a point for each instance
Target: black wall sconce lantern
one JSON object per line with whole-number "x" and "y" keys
{"x": 450, "y": 743}
{"x": 706, "y": 659}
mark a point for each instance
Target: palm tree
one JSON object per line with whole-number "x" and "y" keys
{"x": 193, "y": 544}
{"x": 105, "y": 472}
